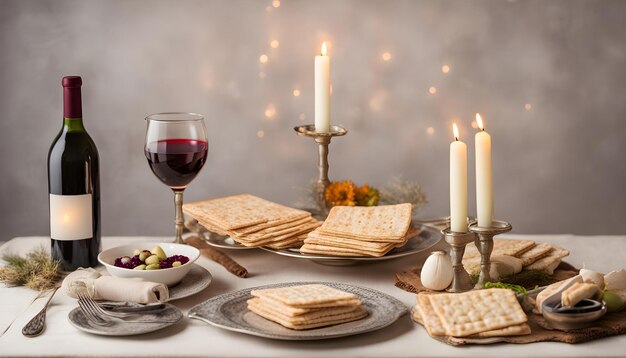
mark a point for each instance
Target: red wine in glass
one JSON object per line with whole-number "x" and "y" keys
{"x": 176, "y": 162}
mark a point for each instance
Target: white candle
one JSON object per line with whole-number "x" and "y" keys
{"x": 458, "y": 183}
{"x": 484, "y": 176}
{"x": 322, "y": 91}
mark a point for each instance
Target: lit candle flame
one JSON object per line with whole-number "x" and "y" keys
{"x": 455, "y": 129}
{"x": 479, "y": 122}
{"x": 66, "y": 217}
{"x": 324, "y": 51}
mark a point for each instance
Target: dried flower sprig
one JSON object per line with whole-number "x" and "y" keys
{"x": 36, "y": 271}
{"x": 400, "y": 191}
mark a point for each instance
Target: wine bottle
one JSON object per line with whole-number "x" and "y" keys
{"x": 74, "y": 186}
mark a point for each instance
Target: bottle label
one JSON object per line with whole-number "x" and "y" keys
{"x": 71, "y": 217}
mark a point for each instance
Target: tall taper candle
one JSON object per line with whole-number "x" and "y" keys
{"x": 484, "y": 176}
{"x": 458, "y": 183}
{"x": 322, "y": 91}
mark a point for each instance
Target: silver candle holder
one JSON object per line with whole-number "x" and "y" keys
{"x": 323, "y": 140}
{"x": 461, "y": 281}
{"x": 484, "y": 243}
{"x": 483, "y": 239}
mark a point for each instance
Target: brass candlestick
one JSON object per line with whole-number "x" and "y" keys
{"x": 323, "y": 140}
{"x": 484, "y": 243}
{"x": 461, "y": 280}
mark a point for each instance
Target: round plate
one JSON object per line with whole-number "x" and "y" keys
{"x": 195, "y": 281}
{"x": 229, "y": 311}
{"x": 427, "y": 238}
{"x": 171, "y": 313}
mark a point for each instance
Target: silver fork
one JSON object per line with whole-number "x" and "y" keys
{"x": 96, "y": 311}
{"x": 90, "y": 314}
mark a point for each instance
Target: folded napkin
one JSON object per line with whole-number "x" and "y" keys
{"x": 110, "y": 288}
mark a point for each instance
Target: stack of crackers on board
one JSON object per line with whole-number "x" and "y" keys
{"x": 482, "y": 313}
{"x": 253, "y": 221}
{"x": 512, "y": 256}
{"x": 360, "y": 231}
{"x": 306, "y": 306}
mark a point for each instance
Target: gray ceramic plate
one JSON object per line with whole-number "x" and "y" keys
{"x": 229, "y": 311}
{"x": 171, "y": 314}
{"x": 426, "y": 239}
{"x": 195, "y": 281}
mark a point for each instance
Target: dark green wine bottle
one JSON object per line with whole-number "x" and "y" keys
{"x": 74, "y": 186}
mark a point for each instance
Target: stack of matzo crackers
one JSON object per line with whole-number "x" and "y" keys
{"x": 306, "y": 306}
{"x": 481, "y": 313}
{"x": 360, "y": 231}
{"x": 253, "y": 221}
{"x": 533, "y": 256}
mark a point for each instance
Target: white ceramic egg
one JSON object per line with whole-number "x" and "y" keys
{"x": 437, "y": 272}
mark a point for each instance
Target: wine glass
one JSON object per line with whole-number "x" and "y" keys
{"x": 176, "y": 149}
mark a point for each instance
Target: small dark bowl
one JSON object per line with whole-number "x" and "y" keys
{"x": 571, "y": 318}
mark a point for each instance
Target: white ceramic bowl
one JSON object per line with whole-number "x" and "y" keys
{"x": 169, "y": 276}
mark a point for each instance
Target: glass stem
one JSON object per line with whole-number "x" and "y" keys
{"x": 178, "y": 202}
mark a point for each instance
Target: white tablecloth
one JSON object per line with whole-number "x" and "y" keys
{"x": 195, "y": 338}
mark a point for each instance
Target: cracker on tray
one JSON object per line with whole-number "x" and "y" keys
{"x": 312, "y": 295}
{"x": 239, "y": 211}
{"x": 468, "y": 313}
{"x": 376, "y": 223}
{"x": 358, "y": 313}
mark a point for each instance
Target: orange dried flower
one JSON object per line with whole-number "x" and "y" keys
{"x": 366, "y": 196}
{"x": 340, "y": 193}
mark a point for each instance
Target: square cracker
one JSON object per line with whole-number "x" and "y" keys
{"x": 239, "y": 211}
{"x": 314, "y": 323}
{"x": 299, "y": 315}
{"x": 305, "y": 295}
{"x": 468, "y": 313}
{"x": 509, "y": 247}
{"x": 387, "y": 222}
{"x": 316, "y": 237}
{"x": 429, "y": 317}
{"x": 517, "y": 330}
{"x": 309, "y": 248}
{"x": 296, "y": 311}
{"x": 274, "y": 224}
{"x": 272, "y": 239}
{"x": 535, "y": 253}
{"x": 423, "y": 313}
{"x": 550, "y": 262}
{"x": 271, "y": 232}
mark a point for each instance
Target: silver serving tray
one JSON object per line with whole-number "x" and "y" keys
{"x": 427, "y": 238}
{"x": 229, "y": 311}
{"x": 226, "y": 242}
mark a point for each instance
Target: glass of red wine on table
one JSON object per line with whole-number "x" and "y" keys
{"x": 176, "y": 149}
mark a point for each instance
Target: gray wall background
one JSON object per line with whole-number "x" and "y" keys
{"x": 559, "y": 164}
